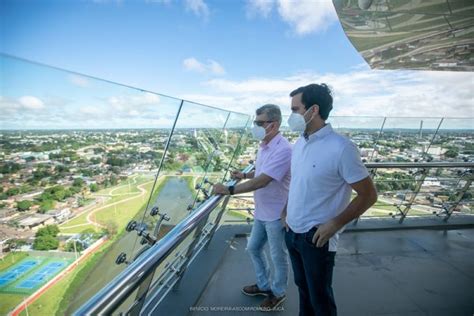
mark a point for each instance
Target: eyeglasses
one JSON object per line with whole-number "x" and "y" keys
{"x": 260, "y": 123}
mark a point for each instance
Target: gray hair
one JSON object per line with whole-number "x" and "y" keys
{"x": 273, "y": 112}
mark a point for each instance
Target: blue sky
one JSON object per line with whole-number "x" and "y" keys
{"x": 230, "y": 54}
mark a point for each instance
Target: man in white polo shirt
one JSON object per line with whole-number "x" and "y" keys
{"x": 325, "y": 168}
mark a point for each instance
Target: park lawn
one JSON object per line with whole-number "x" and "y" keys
{"x": 123, "y": 210}
{"x": 122, "y": 213}
{"x": 79, "y": 229}
{"x": 134, "y": 181}
{"x": 9, "y": 301}
{"x": 82, "y": 219}
{"x": 124, "y": 188}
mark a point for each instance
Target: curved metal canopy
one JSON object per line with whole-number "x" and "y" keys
{"x": 411, "y": 34}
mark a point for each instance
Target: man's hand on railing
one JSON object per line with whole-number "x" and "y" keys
{"x": 219, "y": 188}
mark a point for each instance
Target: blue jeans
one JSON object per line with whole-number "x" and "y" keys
{"x": 274, "y": 233}
{"x": 313, "y": 268}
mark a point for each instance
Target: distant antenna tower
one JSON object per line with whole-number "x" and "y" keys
{"x": 420, "y": 135}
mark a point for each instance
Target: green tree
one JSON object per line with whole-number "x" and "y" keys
{"x": 113, "y": 180}
{"x": 46, "y": 242}
{"x": 69, "y": 247}
{"x": 451, "y": 153}
{"x": 12, "y": 191}
{"x": 96, "y": 161}
{"x": 24, "y": 205}
{"x": 78, "y": 182}
{"x": 46, "y": 205}
{"x": 9, "y": 167}
{"x": 49, "y": 230}
{"x": 94, "y": 187}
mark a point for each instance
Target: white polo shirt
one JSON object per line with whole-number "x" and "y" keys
{"x": 322, "y": 169}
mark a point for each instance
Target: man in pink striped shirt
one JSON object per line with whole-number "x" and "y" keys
{"x": 270, "y": 182}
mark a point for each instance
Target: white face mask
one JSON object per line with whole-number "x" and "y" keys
{"x": 297, "y": 123}
{"x": 258, "y": 132}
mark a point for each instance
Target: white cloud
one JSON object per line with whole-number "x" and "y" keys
{"x": 303, "y": 16}
{"x": 91, "y": 110}
{"x": 198, "y": 7}
{"x": 212, "y": 66}
{"x": 79, "y": 80}
{"x": 356, "y": 93}
{"x": 30, "y": 102}
{"x": 259, "y": 8}
{"x": 126, "y": 103}
{"x": 215, "y": 67}
{"x": 307, "y": 16}
{"x": 193, "y": 64}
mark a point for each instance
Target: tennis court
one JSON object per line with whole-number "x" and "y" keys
{"x": 41, "y": 276}
{"x": 18, "y": 270}
{"x": 31, "y": 273}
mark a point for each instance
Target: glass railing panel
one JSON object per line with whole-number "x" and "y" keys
{"x": 197, "y": 155}
{"x": 454, "y": 141}
{"x": 83, "y": 154}
{"x": 232, "y": 144}
{"x": 396, "y": 187}
{"x": 406, "y": 139}
{"x": 422, "y": 192}
{"x": 192, "y": 150}
{"x": 204, "y": 144}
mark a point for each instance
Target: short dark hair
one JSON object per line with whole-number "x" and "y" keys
{"x": 273, "y": 112}
{"x": 319, "y": 94}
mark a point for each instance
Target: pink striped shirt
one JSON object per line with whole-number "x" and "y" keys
{"x": 274, "y": 160}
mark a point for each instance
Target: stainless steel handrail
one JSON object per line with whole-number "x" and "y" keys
{"x": 109, "y": 298}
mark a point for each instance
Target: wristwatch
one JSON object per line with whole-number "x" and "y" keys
{"x": 231, "y": 189}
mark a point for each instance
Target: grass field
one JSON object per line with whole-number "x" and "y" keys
{"x": 129, "y": 201}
